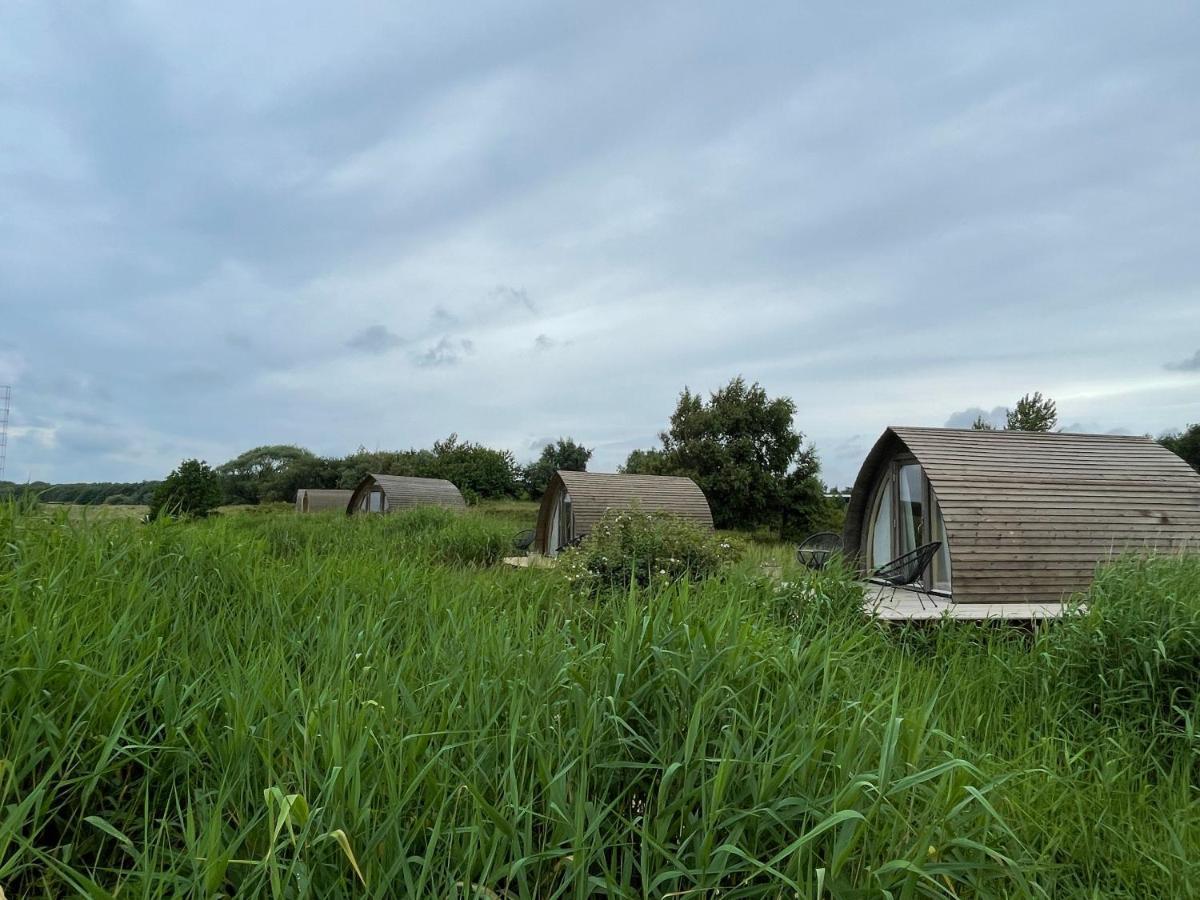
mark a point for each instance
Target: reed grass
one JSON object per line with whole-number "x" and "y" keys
{"x": 298, "y": 706}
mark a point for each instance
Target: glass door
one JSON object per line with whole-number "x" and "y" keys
{"x": 906, "y": 516}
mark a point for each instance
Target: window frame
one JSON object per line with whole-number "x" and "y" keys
{"x": 888, "y": 484}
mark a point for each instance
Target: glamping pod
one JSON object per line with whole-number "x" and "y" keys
{"x": 320, "y": 499}
{"x": 575, "y": 501}
{"x": 388, "y": 493}
{"x": 1022, "y": 517}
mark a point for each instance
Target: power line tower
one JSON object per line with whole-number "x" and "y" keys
{"x": 5, "y": 402}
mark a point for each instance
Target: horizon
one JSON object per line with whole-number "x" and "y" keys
{"x": 231, "y": 228}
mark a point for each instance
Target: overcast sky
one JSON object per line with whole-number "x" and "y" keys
{"x": 376, "y": 224}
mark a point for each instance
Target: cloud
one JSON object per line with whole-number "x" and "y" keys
{"x": 882, "y": 218}
{"x": 446, "y": 352}
{"x": 513, "y": 297}
{"x": 375, "y": 339}
{"x": 965, "y": 418}
{"x": 1191, "y": 364}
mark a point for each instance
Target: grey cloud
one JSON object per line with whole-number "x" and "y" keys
{"x": 1191, "y": 364}
{"x": 543, "y": 342}
{"x": 446, "y": 352}
{"x": 687, "y": 196}
{"x": 513, "y": 297}
{"x": 965, "y": 418}
{"x": 375, "y": 339}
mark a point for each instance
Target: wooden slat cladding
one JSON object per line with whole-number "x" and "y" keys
{"x": 404, "y": 492}
{"x": 1029, "y": 516}
{"x": 594, "y": 493}
{"x": 319, "y": 499}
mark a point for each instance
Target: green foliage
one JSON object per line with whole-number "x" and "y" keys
{"x": 741, "y": 449}
{"x": 194, "y": 489}
{"x": 1184, "y": 444}
{"x": 1033, "y": 412}
{"x": 287, "y": 706}
{"x": 258, "y": 475}
{"x": 563, "y": 454}
{"x": 474, "y": 467}
{"x": 646, "y": 462}
{"x": 633, "y": 547}
{"x": 982, "y": 424}
{"x": 85, "y": 493}
{"x": 1135, "y": 655}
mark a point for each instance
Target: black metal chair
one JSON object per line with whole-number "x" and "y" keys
{"x": 816, "y": 550}
{"x": 524, "y": 540}
{"x": 906, "y": 571}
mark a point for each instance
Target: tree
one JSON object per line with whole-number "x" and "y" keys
{"x": 1033, "y": 412}
{"x": 645, "y": 462}
{"x": 563, "y": 454}
{"x": 250, "y": 478}
{"x": 741, "y": 449}
{"x": 473, "y": 467}
{"x": 194, "y": 489}
{"x": 1184, "y": 444}
{"x": 982, "y": 424}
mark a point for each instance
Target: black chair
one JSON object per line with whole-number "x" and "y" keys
{"x": 906, "y": 571}
{"x": 524, "y": 540}
{"x": 816, "y": 550}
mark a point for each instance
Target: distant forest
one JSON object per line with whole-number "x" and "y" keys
{"x": 86, "y": 493}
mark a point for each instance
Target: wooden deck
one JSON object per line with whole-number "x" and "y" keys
{"x": 904, "y": 605}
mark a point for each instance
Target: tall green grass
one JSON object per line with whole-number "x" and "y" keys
{"x": 319, "y": 706}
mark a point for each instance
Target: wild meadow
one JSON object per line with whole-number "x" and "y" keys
{"x": 285, "y": 706}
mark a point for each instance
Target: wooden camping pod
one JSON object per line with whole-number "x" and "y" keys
{"x": 580, "y": 499}
{"x": 1028, "y": 516}
{"x": 321, "y": 499}
{"x": 388, "y": 493}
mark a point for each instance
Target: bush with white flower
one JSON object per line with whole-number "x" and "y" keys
{"x": 631, "y": 546}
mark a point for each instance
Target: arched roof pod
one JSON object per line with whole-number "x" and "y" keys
{"x": 388, "y": 493}
{"x": 591, "y": 494}
{"x": 1028, "y": 516}
{"x": 319, "y": 499}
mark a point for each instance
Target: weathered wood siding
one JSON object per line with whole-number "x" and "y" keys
{"x": 403, "y": 492}
{"x": 319, "y": 499}
{"x": 594, "y": 493}
{"x": 1029, "y": 516}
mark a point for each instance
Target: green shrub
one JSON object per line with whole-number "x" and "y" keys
{"x": 630, "y": 546}
{"x": 819, "y": 596}
{"x": 194, "y": 489}
{"x": 1136, "y": 652}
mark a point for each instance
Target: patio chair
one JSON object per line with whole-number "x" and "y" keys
{"x": 816, "y": 550}
{"x": 524, "y": 540}
{"x": 906, "y": 571}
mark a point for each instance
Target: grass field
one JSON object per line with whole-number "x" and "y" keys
{"x": 319, "y": 706}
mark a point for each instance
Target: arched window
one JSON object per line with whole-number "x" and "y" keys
{"x": 905, "y": 515}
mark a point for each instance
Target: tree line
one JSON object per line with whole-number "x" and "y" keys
{"x": 738, "y": 444}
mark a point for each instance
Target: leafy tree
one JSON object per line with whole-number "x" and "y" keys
{"x": 194, "y": 489}
{"x": 474, "y": 467}
{"x": 742, "y": 450}
{"x": 1033, "y": 412}
{"x": 248, "y": 478}
{"x": 1185, "y": 444}
{"x": 563, "y": 454}
{"x": 645, "y": 462}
